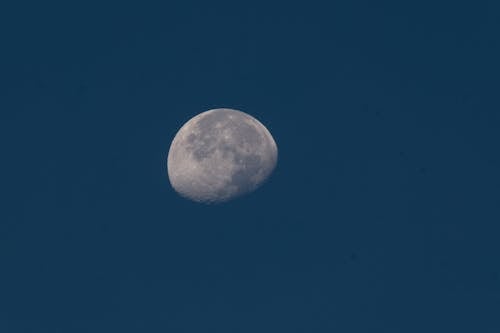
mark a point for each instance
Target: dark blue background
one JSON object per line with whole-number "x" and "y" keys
{"x": 382, "y": 216}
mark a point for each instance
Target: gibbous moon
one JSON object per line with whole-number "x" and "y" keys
{"x": 219, "y": 155}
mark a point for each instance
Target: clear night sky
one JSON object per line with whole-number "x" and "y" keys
{"x": 382, "y": 215}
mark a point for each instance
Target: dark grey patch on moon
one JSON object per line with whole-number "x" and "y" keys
{"x": 204, "y": 151}
{"x": 248, "y": 134}
{"x": 249, "y": 166}
{"x": 220, "y": 154}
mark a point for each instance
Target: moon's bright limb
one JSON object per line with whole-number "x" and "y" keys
{"x": 220, "y": 154}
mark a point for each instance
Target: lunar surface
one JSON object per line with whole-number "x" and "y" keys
{"x": 219, "y": 155}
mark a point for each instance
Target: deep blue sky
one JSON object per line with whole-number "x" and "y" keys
{"x": 382, "y": 216}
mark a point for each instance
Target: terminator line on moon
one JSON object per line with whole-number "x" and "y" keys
{"x": 219, "y": 155}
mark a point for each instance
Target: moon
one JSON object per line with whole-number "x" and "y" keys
{"x": 219, "y": 155}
